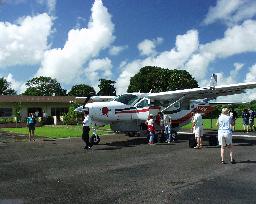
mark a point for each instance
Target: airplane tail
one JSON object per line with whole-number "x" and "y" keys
{"x": 213, "y": 81}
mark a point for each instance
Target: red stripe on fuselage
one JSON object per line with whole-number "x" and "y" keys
{"x": 207, "y": 109}
{"x": 141, "y": 110}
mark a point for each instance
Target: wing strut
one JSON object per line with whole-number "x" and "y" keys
{"x": 181, "y": 98}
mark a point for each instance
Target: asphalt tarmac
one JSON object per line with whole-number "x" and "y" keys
{"x": 124, "y": 170}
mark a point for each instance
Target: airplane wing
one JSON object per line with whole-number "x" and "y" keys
{"x": 97, "y": 98}
{"x": 201, "y": 93}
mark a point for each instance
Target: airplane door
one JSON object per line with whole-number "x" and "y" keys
{"x": 153, "y": 108}
{"x": 144, "y": 108}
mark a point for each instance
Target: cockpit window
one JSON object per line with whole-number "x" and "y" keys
{"x": 127, "y": 99}
{"x": 143, "y": 103}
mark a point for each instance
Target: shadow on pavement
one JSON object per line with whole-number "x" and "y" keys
{"x": 247, "y": 162}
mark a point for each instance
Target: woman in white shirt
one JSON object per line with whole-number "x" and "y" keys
{"x": 225, "y": 134}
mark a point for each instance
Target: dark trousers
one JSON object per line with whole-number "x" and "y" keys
{"x": 85, "y": 136}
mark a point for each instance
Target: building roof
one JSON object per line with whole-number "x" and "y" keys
{"x": 41, "y": 99}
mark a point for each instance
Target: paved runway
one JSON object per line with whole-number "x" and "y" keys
{"x": 124, "y": 170}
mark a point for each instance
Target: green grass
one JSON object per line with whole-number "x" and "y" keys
{"x": 211, "y": 124}
{"x": 54, "y": 132}
{"x": 66, "y": 131}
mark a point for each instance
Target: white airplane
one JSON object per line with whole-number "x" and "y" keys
{"x": 128, "y": 112}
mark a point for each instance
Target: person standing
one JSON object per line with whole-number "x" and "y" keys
{"x": 246, "y": 116}
{"x": 151, "y": 129}
{"x": 233, "y": 116}
{"x": 251, "y": 120}
{"x": 31, "y": 123}
{"x": 225, "y": 134}
{"x": 167, "y": 128}
{"x": 197, "y": 124}
{"x": 86, "y": 130}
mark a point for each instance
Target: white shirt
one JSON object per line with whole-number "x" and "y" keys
{"x": 167, "y": 120}
{"x": 224, "y": 122}
{"x": 87, "y": 121}
{"x": 198, "y": 120}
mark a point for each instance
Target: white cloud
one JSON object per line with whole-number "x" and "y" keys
{"x": 186, "y": 45}
{"x": 81, "y": 46}
{"x": 238, "y": 39}
{"x": 231, "y": 11}
{"x": 51, "y": 4}
{"x": 25, "y": 42}
{"x": 115, "y": 50}
{"x": 97, "y": 69}
{"x": 147, "y": 47}
{"x": 195, "y": 58}
{"x": 18, "y": 86}
{"x": 251, "y": 75}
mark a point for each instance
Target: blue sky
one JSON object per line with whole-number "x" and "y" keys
{"x": 81, "y": 41}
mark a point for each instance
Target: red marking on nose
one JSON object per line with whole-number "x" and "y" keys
{"x": 105, "y": 111}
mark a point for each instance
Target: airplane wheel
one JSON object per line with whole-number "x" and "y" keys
{"x": 174, "y": 135}
{"x": 95, "y": 139}
{"x": 131, "y": 134}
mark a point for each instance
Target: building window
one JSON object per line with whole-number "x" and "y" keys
{"x": 5, "y": 112}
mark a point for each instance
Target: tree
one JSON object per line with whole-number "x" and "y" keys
{"x": 81, "y": 90}
{"x": 70, "y": 118}
{"x": 44, "y": 86}
{"x": 107, "y": 88}
{"x": 157, "y": 79}
{"x": 5, "y": 87}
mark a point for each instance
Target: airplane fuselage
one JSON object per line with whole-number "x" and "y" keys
{"x": 129, "y": 118}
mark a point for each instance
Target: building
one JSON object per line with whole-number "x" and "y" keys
{"x": 40, "y": 105}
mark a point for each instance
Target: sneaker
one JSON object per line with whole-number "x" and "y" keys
{"x": 197, "y": 147}
{"x": 232, "y": 161}
{"x": 223, "y": 162}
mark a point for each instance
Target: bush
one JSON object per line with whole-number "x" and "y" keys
{"x": 70, "y": 118}
{"x": 7, "y": 120}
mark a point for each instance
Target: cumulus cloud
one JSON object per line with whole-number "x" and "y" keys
{"x": 231, "y": 12}
{"x": 185, "y": 46}
{"x": 18, "y": 86}
{"x": 251, "y": 75}
{"x": 97, "y": 69}
{"x": 115, "y": 50}
{"x": 24, "y": 42}
{"x": 82, "y": 45}
{"x": 237, "y": 39}
{"x": 188, "y": 54}
{"x": 147, "y": 47}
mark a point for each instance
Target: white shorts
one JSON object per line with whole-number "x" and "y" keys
{"x": 224, "y": 137}
{"x": 198, "y": 131}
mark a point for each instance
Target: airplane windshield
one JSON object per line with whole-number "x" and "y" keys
{"x": 127, "y": 99}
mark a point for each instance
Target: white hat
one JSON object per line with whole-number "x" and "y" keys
{"x": 150, "y": 122}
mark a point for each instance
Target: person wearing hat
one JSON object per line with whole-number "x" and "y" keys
{"x": 86, "y": 130}
{"x": 151, "y": 129}
{"x": 224, "y": 124}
